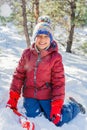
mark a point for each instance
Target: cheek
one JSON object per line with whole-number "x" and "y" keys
{"x": 48, "y": 41}
{"x": 37, "y": 41}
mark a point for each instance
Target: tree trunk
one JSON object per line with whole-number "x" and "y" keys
{"x": 70, "y": 39}
{"x": 25, "y": 23}
{"x": 72, "y": 26}
{"x": 36, "y": 9}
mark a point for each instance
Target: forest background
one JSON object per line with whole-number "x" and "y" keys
{"x": 67, "y": 14}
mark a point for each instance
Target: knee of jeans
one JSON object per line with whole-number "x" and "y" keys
{"x": 33, "y": 113}
{"x": 66, "y": 114}
{"x": 32, "y": 109}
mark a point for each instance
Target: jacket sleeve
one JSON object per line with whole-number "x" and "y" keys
{"x": 19, "y": 74}
{"x": 58, "y": 79}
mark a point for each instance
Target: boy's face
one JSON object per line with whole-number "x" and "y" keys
{"x": 42, "y": 41}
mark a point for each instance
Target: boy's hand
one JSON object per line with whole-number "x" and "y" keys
{"x": 56, "y": 107}
{"x": 13, "y": 100}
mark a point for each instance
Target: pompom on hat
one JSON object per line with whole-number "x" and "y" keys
{"x": 43, "y": 27}
{"x": 44, "y": 19}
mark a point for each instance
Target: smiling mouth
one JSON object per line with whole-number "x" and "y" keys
{"x": 42, "y": 43}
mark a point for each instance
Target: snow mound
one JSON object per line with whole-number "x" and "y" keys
{"x": 8, "y": 120}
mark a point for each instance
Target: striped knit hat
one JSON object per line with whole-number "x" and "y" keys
{"x": 43, "y": 27}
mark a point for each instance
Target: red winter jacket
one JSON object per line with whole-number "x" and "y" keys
{"x": 40, "y": 75}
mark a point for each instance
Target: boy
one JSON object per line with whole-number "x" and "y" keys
{"x": 40, "y": 78}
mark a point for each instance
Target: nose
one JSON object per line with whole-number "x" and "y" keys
{"x": 42, "y": 38}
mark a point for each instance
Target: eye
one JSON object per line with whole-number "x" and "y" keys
{"x": 46, "y": 36}
{"x": 38, "y": 36}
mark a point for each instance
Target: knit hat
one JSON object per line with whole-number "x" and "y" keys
{"x": 43, "y": 27}
{"x": 44, "y": 18}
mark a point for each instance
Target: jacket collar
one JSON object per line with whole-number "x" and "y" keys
{"x": 51, "y": 49}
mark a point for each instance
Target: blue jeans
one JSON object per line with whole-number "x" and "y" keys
{"x": 34, "y": 107}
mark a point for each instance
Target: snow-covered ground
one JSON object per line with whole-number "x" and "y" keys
{"x": 11, "y": 47}
{"x": 79, "y": 39}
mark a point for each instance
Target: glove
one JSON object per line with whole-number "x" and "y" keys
{"x": 55, "y": 114}
{"x": 13, "y": 100}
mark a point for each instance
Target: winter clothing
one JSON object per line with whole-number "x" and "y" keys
{"x": 13, "y": 100}
{"x": 43, "y": 28}
{"x": 69, "y": 112}
{"x": 34, "y": 107}
{"x": 42, "y": 74}
{"x": 55, "y": 113}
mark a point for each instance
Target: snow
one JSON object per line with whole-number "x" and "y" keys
{"x": 80, "y": 38}
{"x": 11, "y": 48}
{"x": 5, "y": 10}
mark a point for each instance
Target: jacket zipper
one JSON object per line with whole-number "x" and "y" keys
{"x": 35, "y": 72}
